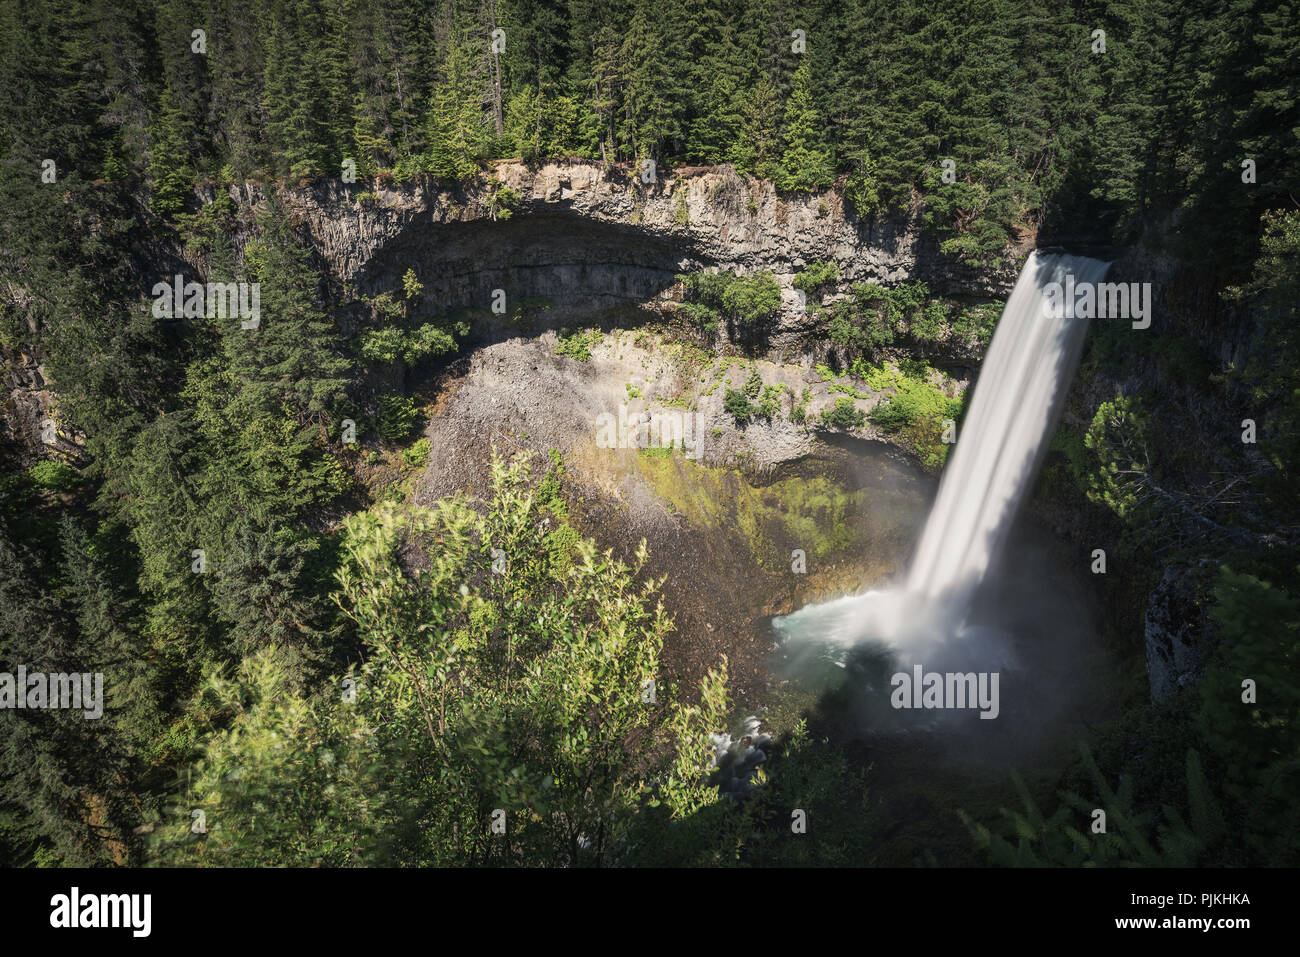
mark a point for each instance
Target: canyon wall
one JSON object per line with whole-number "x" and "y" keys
{"x": 586, "y": 237}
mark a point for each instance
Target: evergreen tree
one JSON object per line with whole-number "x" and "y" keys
{"x": 237, "y": 44}
{"x": 62, "y": 773}
{"x": 260, "y": 587}
{"x": 170, "y": 170}
{"x": 458, "y": 133}
{"x": 289, "y": 364}
{"x": 108, "y": 627}
{"x": 707, "y": 60}
{"x": 758, "y": 151}
{"x": 806, "y": 163}
{"x": 305, "y": 93}
{"x": 652, "y": 114}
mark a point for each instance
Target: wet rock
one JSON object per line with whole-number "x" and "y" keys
{"x": 737, "y": 761}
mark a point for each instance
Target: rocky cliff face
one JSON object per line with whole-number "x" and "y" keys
{"x": 587, "y": 237}
{"x": 26, "y": 404}
{"x": 694, "y": 217}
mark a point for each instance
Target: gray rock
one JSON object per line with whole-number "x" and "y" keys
{"x": 1179, "y": 633}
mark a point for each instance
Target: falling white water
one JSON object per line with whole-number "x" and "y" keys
{"x": 1022, "y": 382}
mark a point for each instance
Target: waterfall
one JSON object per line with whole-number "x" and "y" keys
{"x": 1018, "y": 396}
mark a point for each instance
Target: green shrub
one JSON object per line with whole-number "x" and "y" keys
{"x": 873, "y": 316}
{"x": 975, "y": 324}
{"x": 417, "y": 454}
{"x": 560, "y": 546}
{"x": 746, "y": 299}
{"x": 705, "y": 317}
{"x": 816, "y": 275}
{"x": 844, "y": 415}
{"x": 409, "y": 345}
{"x": 849, "y": 390}
{"x": 55, "y": 476}
{"x": 525, "y": 685}
{"x": 548, "y": 492}
{"x": 770, "y": 404}
{"x": 1118, "y": 441}
{"x": 914, "y": 400}
{"x": 681, "y": 215}
{"x": 578, "y": 345}
{"x": 916, "y": 412}
{"x": 394, "y": 341}
{"x": 738, "y": 405}
{"x": 800, "y": 412}
{"x": 877, "y": 375}
{"x": 751, "y": 299}
{"x": 1136, "y": 836}
{"x": 927, "y": 323}
{"x": 854, "y": 327}
{"x": 503, "y": 201}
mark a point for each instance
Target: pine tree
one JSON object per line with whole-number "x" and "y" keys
{"x": 237, "y": 46}
{"x": 605, "y": 89}
{"x": 458, "y": 134}
{"x": 806, "y": 163}
{"x": 758, "y": 151}
{"x": 652, "y": 114}
{"x": 305, "y": 95}
{"x": 185, "y": 74}
{"x": 62, "y": 773}
{"x": 109, "y": 630}
{"x": 169, "y": 166}
{"x": 260, "y": 587}
{"x": 708, "y": 62}
{"x": 289, "y": 362}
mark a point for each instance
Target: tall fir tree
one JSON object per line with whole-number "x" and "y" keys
{"x": 806, "y": 163}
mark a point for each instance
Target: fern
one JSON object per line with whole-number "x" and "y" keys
{"x": 1133, "y": 837}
